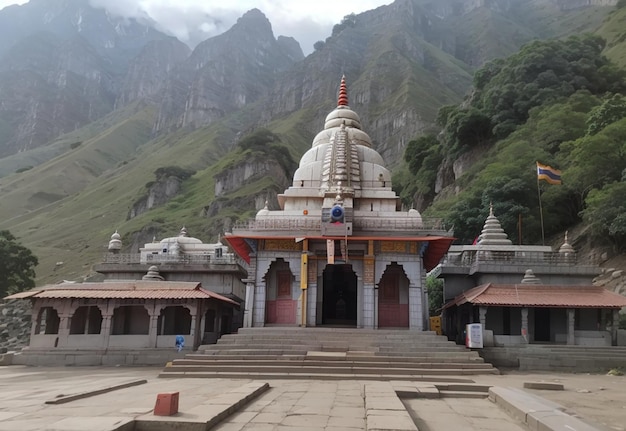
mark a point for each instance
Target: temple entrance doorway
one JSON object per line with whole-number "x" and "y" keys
{"x": 393, "y": 298}
{"x": 339, "y": 295}
{"x": 280, "y": 306}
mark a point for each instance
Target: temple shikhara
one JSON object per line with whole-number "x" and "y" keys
{"x": 339, "y": 250}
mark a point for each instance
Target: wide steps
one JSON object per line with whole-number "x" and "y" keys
{"x": 329, "y": 348}
{"x": 335, "y": 364}
{"x": 363, "y": 359}
{"x": 326, "y": 369}
{"x": 331, "y": 353}
{"x": 304, "y": 376}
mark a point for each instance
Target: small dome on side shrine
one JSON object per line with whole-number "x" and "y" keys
{"x": 263, "y": 211}
{"x": 153, "y": 274}
{"x": 566, "y": 248}
{"x": 492, "y": 233}
{"x": 116, "y": 242}
{"x": 530, "y": 278}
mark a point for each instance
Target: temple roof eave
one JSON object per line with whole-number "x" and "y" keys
{"x": 438, "y": 245}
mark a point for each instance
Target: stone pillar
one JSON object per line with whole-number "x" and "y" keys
{"x": 259, "y": 304}
{"x": 312, "y": 293}
{"x": 202, "y": 323}
{"x": 482, "y": 315}
{"x": 375, "y": 307}
{"x": 370, "y": 295}
{"x": 192, "y": 330}
{"x": 248, "y": 305}
{"x": 154, "y": 313}
{"x": 107, "y": 317}
{"x": 64, "y": 329}
{"x": 525, "y": 335}
{"x": 416, "y": 313}
{"x": 34, "y": 320}
{"x": 571, "y": 338}
{"x": 105, "y": 329}
{"x": 614, "y": 326}
{"x": 261, "y": 267}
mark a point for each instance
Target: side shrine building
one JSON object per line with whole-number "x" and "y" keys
{"x": 173, "y": 288}
{"x": 339, "y": 251}
{"x": 526, "y": 294}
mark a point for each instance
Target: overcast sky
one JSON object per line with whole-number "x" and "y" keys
{"x": 307, "y": 21}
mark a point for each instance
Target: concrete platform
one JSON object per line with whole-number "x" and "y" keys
{"x": 278, "y": 404}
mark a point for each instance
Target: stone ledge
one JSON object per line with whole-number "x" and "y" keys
{"x": 67, "y": 398}
{"x": 537, "y": 413}
{"x": 546, "y": 386}
{"x": 384, "y": 411}
{"x": 206, "y": 415}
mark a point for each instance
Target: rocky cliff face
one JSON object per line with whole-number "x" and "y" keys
{"x": 15, "y": 324}
{"x": 576, "y": 4}
{"x": 235, "y": 177}
{"x": 61, "y": 67}
{"x": 159, "y": 193}
{"x": 225, "y": 73}
{"x": 149, "y": 71}
{"x": 48, "y": 87}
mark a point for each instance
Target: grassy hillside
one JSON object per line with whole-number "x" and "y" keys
{"x": 614, "y": 31}
{"x": 75, "y": 229}
{"x": 76, "y": 169}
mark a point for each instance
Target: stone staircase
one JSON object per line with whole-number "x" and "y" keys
{"x": 332, "y": 353}
{"x": 558, "y": 358}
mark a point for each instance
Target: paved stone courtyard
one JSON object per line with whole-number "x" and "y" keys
{"x": 288, "y": 405}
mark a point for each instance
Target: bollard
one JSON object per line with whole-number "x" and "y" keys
{"x": 166, "y": 404}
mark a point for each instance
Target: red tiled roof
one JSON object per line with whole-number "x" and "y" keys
{"x": 138, "y": 289}
{"x": 533, "y": 295}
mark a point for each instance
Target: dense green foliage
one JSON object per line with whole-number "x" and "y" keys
{"x": 173, "y": 171}
{"x": 558, "y": 102}
{"x": 423, "y": 156}
{"x": 434, "y": 287}
{"x": 264, "y": 142}
{"x": 542, "y": 72}
{"x": 17, "y": 265}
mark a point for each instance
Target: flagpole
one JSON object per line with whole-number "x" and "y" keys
{"x": 543, "y": 239}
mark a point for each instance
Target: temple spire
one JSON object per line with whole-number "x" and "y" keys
{"x": 343, "y": 93}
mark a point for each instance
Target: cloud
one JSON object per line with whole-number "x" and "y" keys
{"x": 195, "y": 20}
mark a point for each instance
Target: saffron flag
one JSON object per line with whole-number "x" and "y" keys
{"x": 548, "y": 174}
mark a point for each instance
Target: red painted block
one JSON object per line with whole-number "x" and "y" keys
{"x": 166, "y": 404}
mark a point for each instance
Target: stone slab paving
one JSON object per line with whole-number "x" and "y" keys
{"x": 467, "y": 414}
{"x": 297, "y": 405}
{"x": 302, "y": 406}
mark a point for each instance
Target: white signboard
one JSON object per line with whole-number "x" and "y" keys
{"x": 474, "y": 336}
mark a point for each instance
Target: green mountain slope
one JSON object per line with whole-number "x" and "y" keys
{"x": 75, "y": 170}
{"x": 403, "y": 63}
{"x": 614, "y": 31}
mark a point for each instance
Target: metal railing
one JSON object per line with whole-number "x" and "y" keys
{"x": 473, "y": 258}
{"x": 313, "y": 224}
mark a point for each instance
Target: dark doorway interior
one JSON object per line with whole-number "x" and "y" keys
{"x": 542, "y": 324}
{"x": 339, "y": 306}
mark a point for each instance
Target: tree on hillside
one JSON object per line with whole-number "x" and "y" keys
{"x": 434, "y": 286}
{"x": 17, "y": 265}
{"x": 606, "y": 213}
{"x": 541, "y": 72}
{"x": 612, "y": 109}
